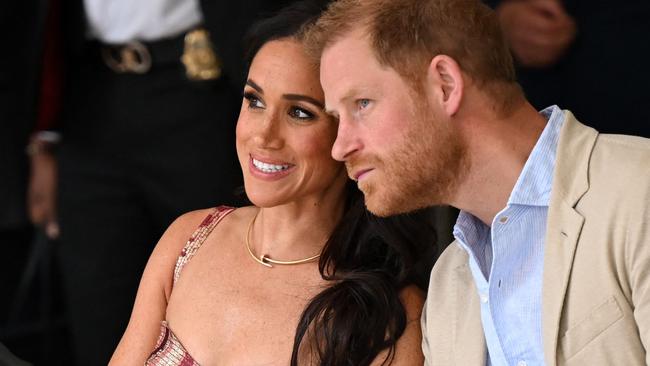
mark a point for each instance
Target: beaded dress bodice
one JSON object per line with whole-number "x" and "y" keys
{"x": 169, "y": 350}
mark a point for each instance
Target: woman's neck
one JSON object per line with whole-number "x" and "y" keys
{"x": 296, "y": 230}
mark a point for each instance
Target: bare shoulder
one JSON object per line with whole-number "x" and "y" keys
{"x": 413, "y": 300}
{"x": 182, "y": 228}
{"x": 179, "y": 232}
{"x": 163, "y": 259}
{"x": 408, "y": 349}
{"x": 154, "y": 291}
{"x": 241, "y": 215}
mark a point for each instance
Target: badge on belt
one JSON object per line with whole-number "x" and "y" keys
{"x": 199, "y": 58}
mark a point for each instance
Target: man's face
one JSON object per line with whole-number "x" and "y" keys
{"x": 398, "y": 147}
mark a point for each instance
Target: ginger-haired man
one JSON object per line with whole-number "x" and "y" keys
{"x": 551, "y": 263}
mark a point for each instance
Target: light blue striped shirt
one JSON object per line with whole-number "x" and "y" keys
{"x": 507, "y": 258}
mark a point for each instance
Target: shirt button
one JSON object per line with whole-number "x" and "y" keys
{"x": 503, "y": 220}
{"x": 522, "y": 363}
{"x": 484, "y": 298}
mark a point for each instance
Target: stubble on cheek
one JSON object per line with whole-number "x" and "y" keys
{"x": 423, "y": 171}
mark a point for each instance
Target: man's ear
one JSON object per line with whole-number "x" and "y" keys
{"x": 445, "y": 83}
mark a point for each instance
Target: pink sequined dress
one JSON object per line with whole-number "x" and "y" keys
{"x": 169, "y": 350}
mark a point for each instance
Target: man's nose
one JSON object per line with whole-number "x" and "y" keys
{"x": 347, "y": 142}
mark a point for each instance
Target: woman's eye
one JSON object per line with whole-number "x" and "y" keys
{"x": 300, "y": 113}
{"x": 253, "y": 101}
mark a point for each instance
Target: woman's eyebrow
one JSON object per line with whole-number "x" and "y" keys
{"x": 300, "y": 97}
{"x": 254, "y": 85}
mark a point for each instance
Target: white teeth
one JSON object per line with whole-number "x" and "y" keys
{"x": 269, "y": 168}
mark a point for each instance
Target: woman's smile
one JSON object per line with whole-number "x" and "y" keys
{"x": 265, "y": 169}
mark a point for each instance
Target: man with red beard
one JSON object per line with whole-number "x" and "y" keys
{"x": 551, "y": 263}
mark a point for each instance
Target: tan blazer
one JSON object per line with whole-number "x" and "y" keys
{"x": 596, "y": 286}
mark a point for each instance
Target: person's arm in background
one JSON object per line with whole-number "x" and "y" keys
{"x": 41, "y": 193}
{"x": 21, "y": 24}
{"x": 539, "y": 31}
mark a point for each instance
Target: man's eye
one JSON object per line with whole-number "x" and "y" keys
{"x": 253, "y": 101}
{"x": 363, "y": 103}
{"x": 300, "y": 113}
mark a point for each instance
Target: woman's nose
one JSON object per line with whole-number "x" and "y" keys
{"x": 268, "y": 133}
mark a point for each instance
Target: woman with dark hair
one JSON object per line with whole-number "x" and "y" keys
{"x": 306, "y": 276}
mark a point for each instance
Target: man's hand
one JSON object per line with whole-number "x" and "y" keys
{"x": 538, "y": 31}
{"x": 41, "y": 194}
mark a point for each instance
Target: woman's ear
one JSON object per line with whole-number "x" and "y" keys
{"x": 445, "y": 83}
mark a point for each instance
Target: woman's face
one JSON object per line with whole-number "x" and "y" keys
{"x": 284, "y": 137}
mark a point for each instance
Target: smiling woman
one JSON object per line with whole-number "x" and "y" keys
{"x": 284, "y": 137}
{"x": 306, "y": 276}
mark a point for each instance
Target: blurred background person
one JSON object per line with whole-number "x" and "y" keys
{"x": 22, "y": 24}
{"x": 19, "y": 68}
{"x": 144, "y": 96}
{"x": 589, "y": 56}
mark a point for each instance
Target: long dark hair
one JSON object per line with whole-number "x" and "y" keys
{"x": 367, "y": 259}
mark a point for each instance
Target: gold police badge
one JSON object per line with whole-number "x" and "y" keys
{"x": 199, "y": 58}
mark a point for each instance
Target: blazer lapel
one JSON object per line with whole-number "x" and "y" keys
{"x": 469, "y": 343}
{"x": 570, "y": 182}
{"x": 564, "y": 227}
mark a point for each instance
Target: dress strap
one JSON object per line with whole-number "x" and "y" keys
{"x": 198, "y": 237}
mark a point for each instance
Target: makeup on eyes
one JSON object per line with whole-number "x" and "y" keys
{"x": 252, "y": 99}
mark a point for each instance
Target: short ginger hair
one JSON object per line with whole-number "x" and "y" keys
{"x": 406, "y": 34}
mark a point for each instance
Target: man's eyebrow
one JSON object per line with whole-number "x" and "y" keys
{"x": 351, "y": 94}
{"x": 300, "y": 97}
{"x": 332, "y": 112}
{"x": 254, "y": 85}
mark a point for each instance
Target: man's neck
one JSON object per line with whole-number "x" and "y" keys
{"x": 498, "y": 150}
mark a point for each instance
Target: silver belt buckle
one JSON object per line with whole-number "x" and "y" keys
{"x": 133, "y": 58}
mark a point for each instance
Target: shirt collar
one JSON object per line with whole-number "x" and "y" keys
{"x": 533, "y": 187}
{"x": 534, "y": 184}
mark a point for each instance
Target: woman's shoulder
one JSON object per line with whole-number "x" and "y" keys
{"x": 185, "y": 225}
{"x": 413, "y": 299}
{"x": 408, "y": 350}
{"x": 178, "y": 237}
{"x": 188, "y": 223}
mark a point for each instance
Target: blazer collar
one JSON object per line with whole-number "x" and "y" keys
{"x": 570, "y": 183}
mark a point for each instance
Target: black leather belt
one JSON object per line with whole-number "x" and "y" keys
{"x": 137, "y": 56}
{"x": 194, "y": 49}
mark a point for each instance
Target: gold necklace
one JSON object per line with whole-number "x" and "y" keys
{"x": 266, "y": 261}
